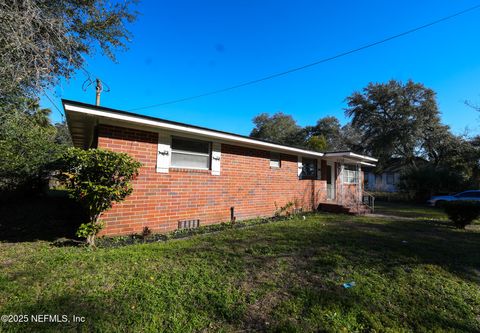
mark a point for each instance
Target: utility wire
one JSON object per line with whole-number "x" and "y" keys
{"x": 296, "y": 69}
{"x": 55, "y": 106}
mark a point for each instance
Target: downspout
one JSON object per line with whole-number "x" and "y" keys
{"x": 359, "y": 186}
{"x": 340, "y": 177}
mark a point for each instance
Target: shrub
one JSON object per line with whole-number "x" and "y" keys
{"x": 26, "y": 149}
{"x": 423, "y": 182}
{"x": 96, "y": 178}
{"x": 462, "y": 213}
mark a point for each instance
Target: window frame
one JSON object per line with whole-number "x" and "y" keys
{"x": 314, "y": 176}
{"x": 275, "y": 157}
{"x": 349, "y": 176}
{"x": 186, "y": 152}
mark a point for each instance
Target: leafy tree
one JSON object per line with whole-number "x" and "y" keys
{"x": 63, "y": 135}
{"x": 317, "y": 143}
{"x": 393, "y": 117}
{"x": 352, "y": 139}
{"x": 42, "y": 41}
{"x": 279, "y": 128}
{"x": 27, "y": 144}
{"x": 421, "y": 182}
{"x": 96, "y": 178}
{"x": 338, "y": 137}
{"x": 475, "y": 161}
{"x": 442, "y": 148}
{"x": 452, "y": 165}
{"x": 330, "y": 129}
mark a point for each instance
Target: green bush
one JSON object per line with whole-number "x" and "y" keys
{"x": 26, "y": 148}
{"x": 96, "y": 178}
{"x": 462, "y": 213}
{"x": 427, "y": 180}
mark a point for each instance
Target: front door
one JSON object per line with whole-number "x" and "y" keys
{"x": 330, "y": 181}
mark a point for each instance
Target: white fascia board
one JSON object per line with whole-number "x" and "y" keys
{"x": 351, "y": 155}
{"x": 354, "y": 161}
{"x": 187, "y": 129}
{"x": 364, "y": 157}
{"x": 368, "y": 164}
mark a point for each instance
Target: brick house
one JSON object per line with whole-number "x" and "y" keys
{"x": 190, "y": 173}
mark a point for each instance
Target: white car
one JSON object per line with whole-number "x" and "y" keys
{"x": 467, "y": 195}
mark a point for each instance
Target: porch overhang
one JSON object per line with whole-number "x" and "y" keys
{"x": 350, "y": 157}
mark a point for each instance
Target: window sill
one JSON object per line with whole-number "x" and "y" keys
{"x": 190, "y": 170}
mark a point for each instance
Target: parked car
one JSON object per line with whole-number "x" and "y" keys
{"x": 467, "y": 195}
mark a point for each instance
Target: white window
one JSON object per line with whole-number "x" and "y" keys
{"x": 350, "y": 174}
{"x": 274, "y": 160}
{"x": 191, "y": 154}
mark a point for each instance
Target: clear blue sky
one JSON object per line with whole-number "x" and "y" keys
{"x": 183, "y": 48}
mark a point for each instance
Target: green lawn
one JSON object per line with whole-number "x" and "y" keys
{"x": 409, "y": 210}
{"x": 284, "y": 276}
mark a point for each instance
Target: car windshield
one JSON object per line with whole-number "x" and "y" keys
{"x": 468, "y": 194}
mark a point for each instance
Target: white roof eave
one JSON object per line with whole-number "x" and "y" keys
{"x": 366, "y": 160}
{"x": 186, "y": 129}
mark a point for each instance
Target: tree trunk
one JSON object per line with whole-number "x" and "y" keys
{"x": 91, "y": 240}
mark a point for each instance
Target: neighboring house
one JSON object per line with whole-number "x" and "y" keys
{"x": 192, "y": 175}
{"x": 388, "y": 179}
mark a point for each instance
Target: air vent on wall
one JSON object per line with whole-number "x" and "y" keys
{"x": 188, "y": 224}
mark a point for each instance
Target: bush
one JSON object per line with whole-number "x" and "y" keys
{"x": 26, "y": 149}
{"x": 462, "y": 213}
{"x": 96, "y": 178}
{"x": 423, "y": 182}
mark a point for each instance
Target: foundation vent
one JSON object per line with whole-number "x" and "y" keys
{"x": 188, "y": 224}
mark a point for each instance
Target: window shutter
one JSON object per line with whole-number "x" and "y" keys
{"x": 164, "y": 153}
{"x": 216, "y": 158}
{"x": 319, "y": 169}
{"x": 300, "y": 165}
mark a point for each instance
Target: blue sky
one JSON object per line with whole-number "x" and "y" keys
{"x": 182, "y": 48}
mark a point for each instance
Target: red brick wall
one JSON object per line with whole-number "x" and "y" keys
{"x": 160, "y": 200}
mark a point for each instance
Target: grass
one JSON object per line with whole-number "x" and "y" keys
{"x": 409, "y": 210}
{"x": 410, "y": 275}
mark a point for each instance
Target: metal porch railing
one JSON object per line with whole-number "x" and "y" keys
{"x": 369, "y": 200}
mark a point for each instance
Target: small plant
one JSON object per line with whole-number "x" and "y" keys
{"x": 89, "y": 230}
{"x": 279, "y": 211}
{"x": 146, "y": 232}
{"x": 96, "y": 178}
{"x": 462, "y": 213}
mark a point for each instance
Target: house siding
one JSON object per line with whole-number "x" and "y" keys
{"x": 246, "y": 182}
{"x": 378, "y": 182}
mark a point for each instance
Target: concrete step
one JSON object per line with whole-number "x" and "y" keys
{"x": 360, "y": 210}
{"x": 333, "y": 208}
{"x": 339, "y": 209}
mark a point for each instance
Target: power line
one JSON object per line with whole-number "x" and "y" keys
{"x": 55, "y": 106}
{"x": 296, "y": 69}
